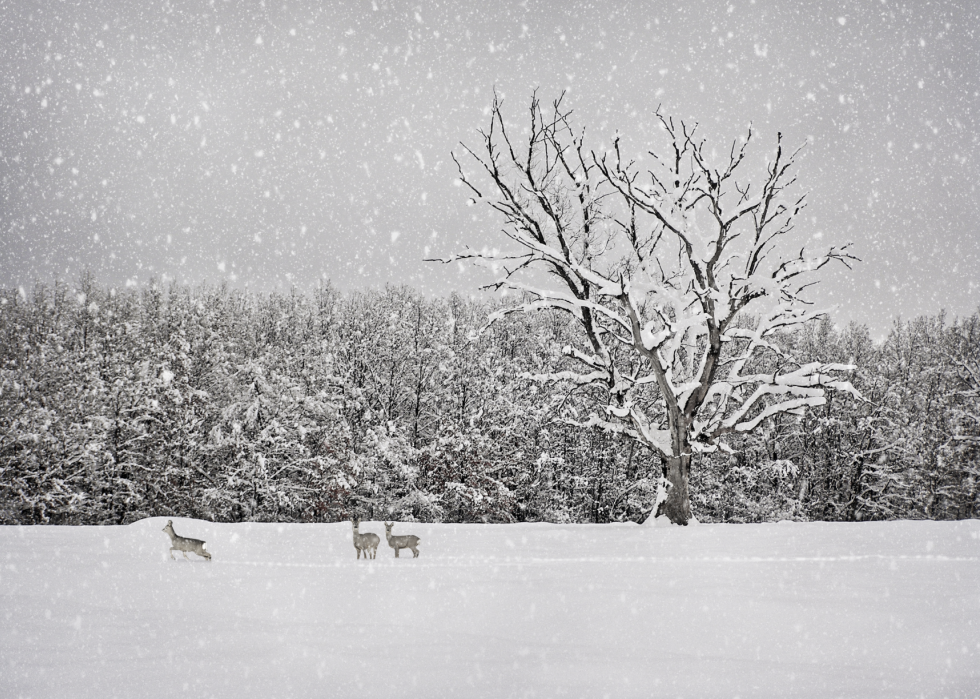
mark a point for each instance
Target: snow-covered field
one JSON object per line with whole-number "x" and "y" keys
{"x": 782, "y": 610}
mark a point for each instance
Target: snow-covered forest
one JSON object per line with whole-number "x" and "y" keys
{"x": 220, "y": 404}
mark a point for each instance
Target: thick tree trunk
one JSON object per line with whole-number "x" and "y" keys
{"x": 677, "y": 506}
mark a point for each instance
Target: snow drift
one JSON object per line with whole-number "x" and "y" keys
{"x": 535, "y": 610}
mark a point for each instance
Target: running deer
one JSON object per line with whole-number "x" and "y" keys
{"x": 403, "y": 541}
{"x": 368, "y": 542}
{"x": 183, "y": 544}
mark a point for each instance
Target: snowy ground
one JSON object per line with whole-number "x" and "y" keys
{"x": 781, "y": 610}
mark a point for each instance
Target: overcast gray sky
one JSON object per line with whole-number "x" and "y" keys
{"x": 275, "y": 144}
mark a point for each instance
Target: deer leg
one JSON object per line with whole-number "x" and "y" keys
{"x": 185, "y": 554}
{"x": 172, "y": 555}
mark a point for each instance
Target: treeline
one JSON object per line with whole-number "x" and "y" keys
{"x": 219, "y": 404}
{"x": 911, "y": 449}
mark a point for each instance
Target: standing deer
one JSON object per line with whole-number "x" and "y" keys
{"x": 403, "y": 541}
{"x": 183, "y": 544}
{"x": 368, "y": 542}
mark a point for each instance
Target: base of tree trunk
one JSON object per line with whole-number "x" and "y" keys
{"x": 677, "y": 506}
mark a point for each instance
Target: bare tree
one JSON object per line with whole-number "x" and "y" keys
{"x": 659, "y": 263}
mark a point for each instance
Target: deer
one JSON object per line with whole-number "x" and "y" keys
{"x": 367, "y": 542}
{"x": 403, "y": 541}
{"x": 183, "y": 544}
